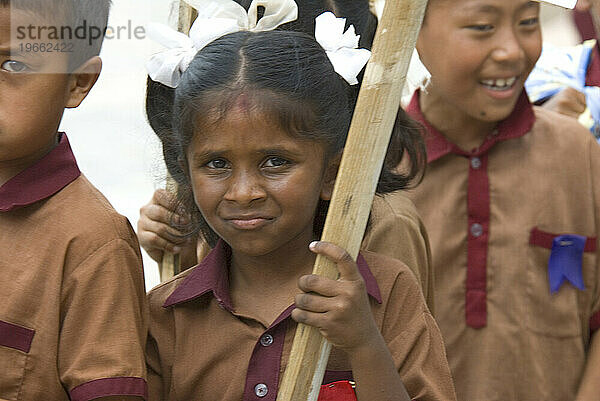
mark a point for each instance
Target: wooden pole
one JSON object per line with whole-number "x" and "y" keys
{"x": 369, "y": 135}
{"x": 187, "y": 14}
{"x": 171, "y": 264}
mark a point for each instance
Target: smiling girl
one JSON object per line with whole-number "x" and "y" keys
{"x": 260, "y": 119}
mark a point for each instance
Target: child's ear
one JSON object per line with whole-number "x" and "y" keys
{"x": 82, "y": 80}
{"x": 329, "y": 176}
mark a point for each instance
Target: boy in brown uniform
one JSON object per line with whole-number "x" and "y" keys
{"x": 511, "y": 201}
{"x": 73, "y": 316}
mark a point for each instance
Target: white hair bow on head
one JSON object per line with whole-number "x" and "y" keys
{"x": 216, "y": 18}
{"x": 341, "y": 47}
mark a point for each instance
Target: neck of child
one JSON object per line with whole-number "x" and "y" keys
{"x": 277, "y": 269}
{"x": 463, "y": 130}
{"x": 11, "y": 167}
{"x": 262, "y": 287}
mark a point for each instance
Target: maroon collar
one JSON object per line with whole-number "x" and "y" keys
{"x": 516, "y": 125}
{"x": 592, "y": 77}
{"x": 43, "y": 179}
{"x": 210, "y": 276}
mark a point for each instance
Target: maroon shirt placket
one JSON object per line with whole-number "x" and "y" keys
{"x": 478, "y": 196}
{"x": 262, "y": 379}
{"x": 478, "y": 208}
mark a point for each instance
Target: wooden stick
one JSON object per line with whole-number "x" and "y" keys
{"x": 171, "y": 264}
{"x": 361, "y": 164}
{"x": 187, "y": 15}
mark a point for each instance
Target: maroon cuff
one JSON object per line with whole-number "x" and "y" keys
{"x": 595, "y": 322}
{"x": 124, "y": 386}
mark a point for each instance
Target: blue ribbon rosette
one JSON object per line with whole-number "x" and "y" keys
{"x": 566, "y": 260}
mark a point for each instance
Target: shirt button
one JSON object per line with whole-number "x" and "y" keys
{"x": 261, "y": 390}
{"x": 266, "y": 340}
{"x": 476, "y": 163}
{"x": 476, "y": 230}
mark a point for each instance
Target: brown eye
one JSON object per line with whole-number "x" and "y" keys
{"x": 217, "y": 164}
{"x": 275, "y": 162}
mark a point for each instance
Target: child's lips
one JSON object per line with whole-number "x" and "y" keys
{"x": 249, "y": 222}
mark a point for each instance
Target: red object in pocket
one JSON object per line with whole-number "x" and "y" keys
{"x": 338, "y": 391}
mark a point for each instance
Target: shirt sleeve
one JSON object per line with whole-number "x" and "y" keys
{"x": 416, "y": 344}
{"x": 595, "y": 174}
{"x": 396, "y": 230}
{"x": 104, "y": 324}
{"x": 155, "y": 380}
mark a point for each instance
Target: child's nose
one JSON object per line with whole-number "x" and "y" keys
{"x": 508, "y": 47}
{"x": 244, "y": 188}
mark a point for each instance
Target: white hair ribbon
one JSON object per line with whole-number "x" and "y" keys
{"x": 417, "y": 77}
{"x": 341, "y": 47}
{"x": 216, "y": 18}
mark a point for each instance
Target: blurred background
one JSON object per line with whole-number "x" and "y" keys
{"x": 115, "y": 147}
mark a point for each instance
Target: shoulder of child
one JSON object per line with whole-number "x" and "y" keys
{"x": 82, "y": 199}
{"x": 158, "y": 295}
{"x": 393, "y": 277}
{"x": 393, "y": 214}
{"x": 395, "y": 203}
{"x": 566, "y": 130}
{"x": 88, "y": 224}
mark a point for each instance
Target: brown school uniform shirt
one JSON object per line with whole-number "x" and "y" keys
{"x": 73, "y": 316}
{"x": 199, "y": 348}
{"x": 492, "y": 215}
{"x": 395, "y": 230}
